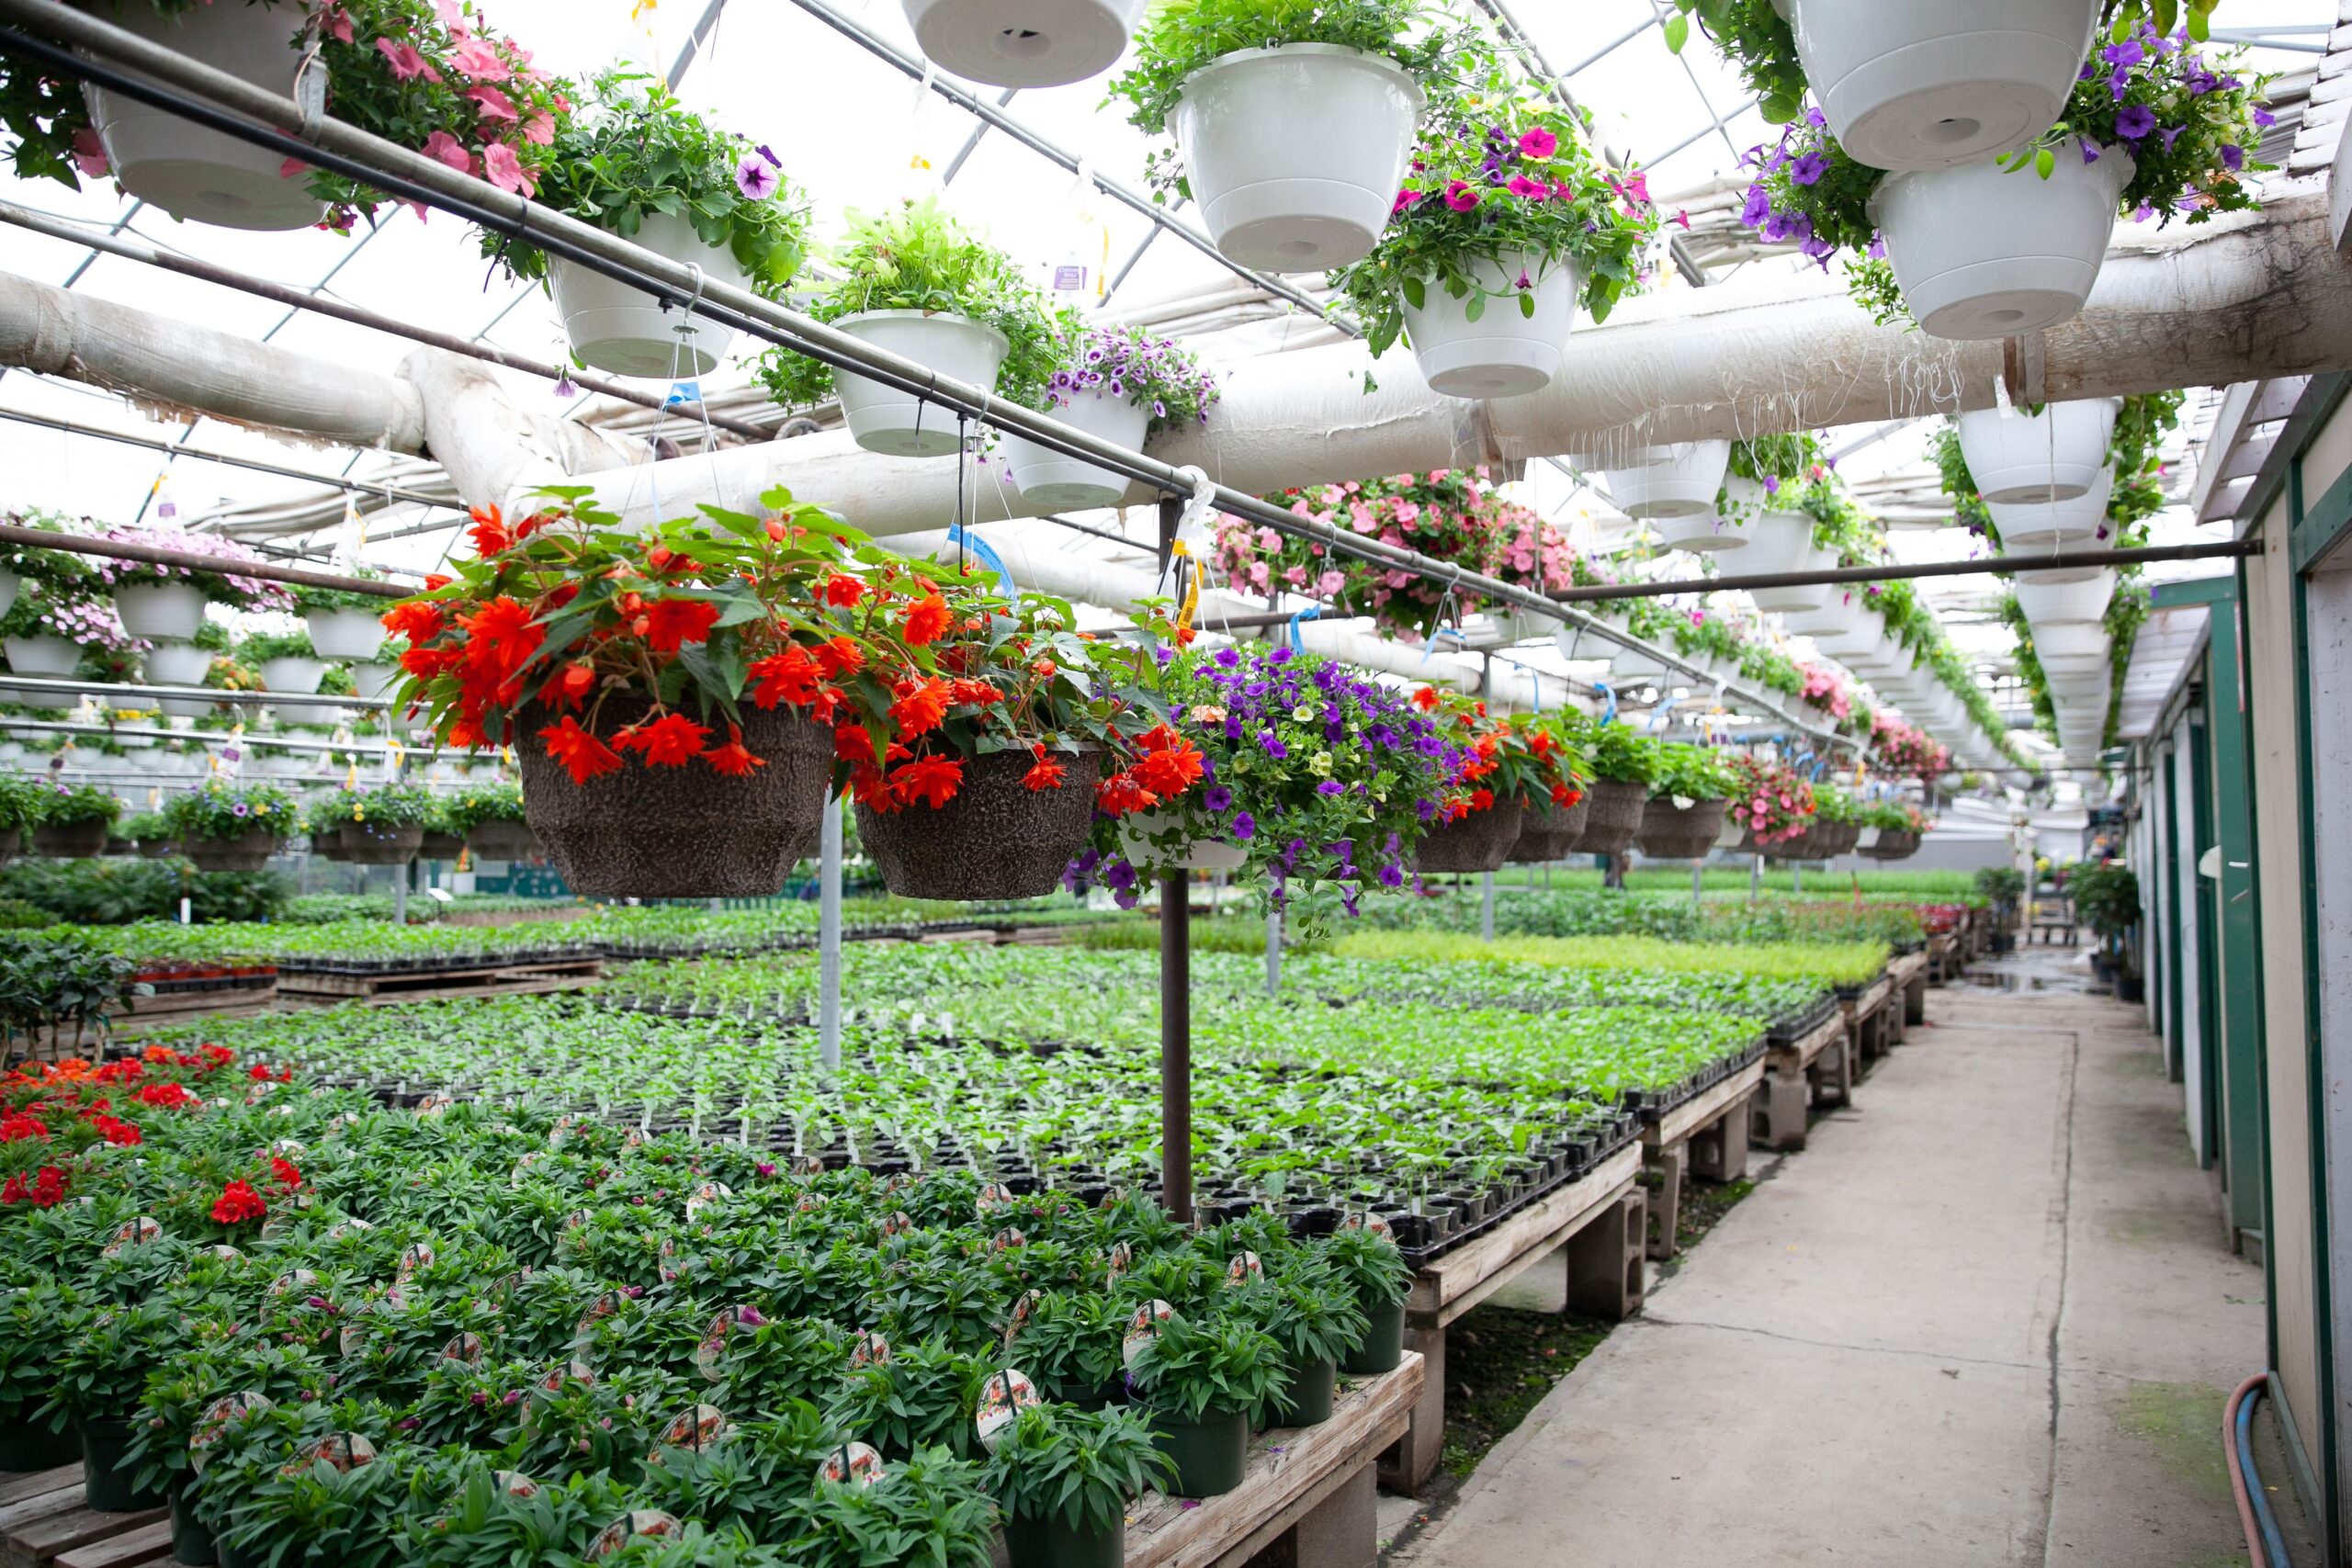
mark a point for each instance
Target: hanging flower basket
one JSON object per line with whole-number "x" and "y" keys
{"x": 995, "y": 838}
{"x": 2055, "y": 525}
{"x": 72, "y": 840}
{"x": 1047, "y": 478}
{"x": 441, "y": 846}
{"x": 1831, "y": 839}
{"x": 617, "y": 327}
{"x": 1140, "y": 835}
{"x": 1294, "y": 153}
{"x": 250, "y": 851}
{"x": 1910, "y": 86}
{"x": 10, "y": 585}
{"x": 329, "y": 846}
{"x": 1892, "y": 845}
{"x": 159, "y": 609}
{"x": 191, "y": 171}
{"x": 380, "y": 843}
{"x": 49, "y": 655}
{"x": 179, "y": 664}
{"x": 1984, "y": 252}
{"x": 1478, "y": 841}
{"x": 1679, "y": 480}
{"x": 1615, "y": 808}
{"x": 1670, "y": 831}
{"x": 883, "y": 419}
{"x": 1507, "y": 352}
{"x": 2055, "y": 454}
{"x": 1782, "y": 542}
{"x": 505, "y": 841}
{"x": 1023, "y": 43}
{"x": 1549, "y": 832}
{"x": 339, "y": 633}
{"x": 686, "y": 832}
{"x": 292, "y": 674}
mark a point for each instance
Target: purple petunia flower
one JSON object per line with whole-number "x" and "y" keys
{"x": 1226, "y": 658}
{"x": 1330, "y": 786}
{"x": 2135, "y": 122}
{"x": 1216, "y": 797}
{"x": 1808, "y": 169}
{"x": 756, "y": 177}
{"x": 2233, "y": 156}
{"x": 1245, "y": 827}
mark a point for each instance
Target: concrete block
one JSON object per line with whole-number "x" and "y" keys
{"x": 1608, "y": 1260}
{"x": 1342, "y": 1531}
{"x": 1833, "y": 1074}
{"x": 1719, "y": 1150}
{"x": 1776, "y": 1115}
{"x": 1665, "y": 1177}
{"x": 1408, "y": 1464}
{"x": 1915, "y": 1000}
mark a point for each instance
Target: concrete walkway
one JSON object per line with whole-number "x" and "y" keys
{"x": 1985, "y": 1318}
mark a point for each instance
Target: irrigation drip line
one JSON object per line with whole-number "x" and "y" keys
{"x": 197, "y": 92}
{"x": 194, "y": 560}
{"x": 2063, "y": 560}
{"x": 357, "y": 315}
{"x": 258, "y": 465}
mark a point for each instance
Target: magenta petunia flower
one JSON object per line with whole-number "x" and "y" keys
{"x": 755, "y": 177}
{"x": 1538, "y": 144}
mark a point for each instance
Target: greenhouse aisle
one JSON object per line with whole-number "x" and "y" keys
{"x": 1859, "y": 1363}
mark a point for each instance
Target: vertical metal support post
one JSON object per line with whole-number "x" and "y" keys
{"x": 1275, "y": 953}
{"x": 829, "y": 940}
{"x": 1176, "y": 1047}
{"x": 1796, "y": 877}
{"x": 1755, "y": 877}
{"x": 1697, "y": 882}
{"x": 400, "y": 894}
{"x": 1486, "y": 907}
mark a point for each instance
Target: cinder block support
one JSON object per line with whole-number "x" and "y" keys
{"x": 1409, "y": 1465}
{"x": 1777, "y": 1114}
{"x": 1719, "y": 1151}
{"x": 1343, "y": 1530}
{"x": 1833, "y": 1074}
{"x": 1609, "y": 1262}
{"x": 1915, "y": 999}
{"x": 1666, "y": 1168}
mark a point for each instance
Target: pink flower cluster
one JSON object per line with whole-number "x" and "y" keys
{"x": 253, "y": 593}
{"x": 1772, "y": 803}
{"x": 1905, "y": 749}
{"x": 1826, "y": 690}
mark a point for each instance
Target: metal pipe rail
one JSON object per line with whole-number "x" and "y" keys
{"x": 98, "y": 52}
{"x": 358, "y": 316}
{"x": 358, "y": 747}
{"x": 2063, "y": 560}
{"x": 53, "y": 686}
{"x": 193, "y": 560}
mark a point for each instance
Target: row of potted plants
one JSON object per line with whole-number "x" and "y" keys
{"x": 675, "y": 1335}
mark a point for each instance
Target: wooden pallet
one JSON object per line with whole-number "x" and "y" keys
{"x": 146, "y": 1015}
{"x": 442, "y": 984}
{"x": 1314, "y": 1481}
{"x": 42, "y": 1522}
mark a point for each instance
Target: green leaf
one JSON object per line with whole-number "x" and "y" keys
{"x": 2045, "y": 162}
{"x": 1678, "y": 32}
{"x": 1781, "y": 108}
{"x": 1415, "y": 292}
{"x": 2199, "y": 25}
{"x": 1476, "y": 309}
{"x": 1527, "y": 304}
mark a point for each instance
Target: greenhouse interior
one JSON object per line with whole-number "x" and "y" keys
{"x": 1257, "y": 783}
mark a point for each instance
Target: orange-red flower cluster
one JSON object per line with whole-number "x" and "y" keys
{"x": 239, "y": 1203}
{"x": 1165, "y": 765}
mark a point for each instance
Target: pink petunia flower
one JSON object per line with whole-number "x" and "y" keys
{"x": 1460, "y": 196}
{"x": 449, "y": 150}
{"x": 505, "y": 171}
{"x": 1520, "y": 186}
{"x": 539, "y": 130}
{"x": 1538, "y": 144}
{"x": 89, "y": 153}
{"x": 406, "y": 63}
{"x": 494, "y": 103}
{"x": 478, "y": 62}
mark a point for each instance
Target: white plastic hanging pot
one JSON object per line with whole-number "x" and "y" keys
{"x": 2055, "y": 454}
{"x": 1506, "y": 353}
{"x": 49, "y": 656}
{"x": 1842, "y": 614}
{"x": 179, "y": 664}
{"x": 1630, "y": 667}
{"x": 1138, "y": 830}
{"x": 1927, "y": 86}
{"x": 188, "y": 170}
{"x": 293, "y": 673}
{"x": 1295, "y": 153}
{"x": 10, "y": 585}
{"x": 617, "y": 327}
{"x": 159, "y": 609}
{"x": 2071, "y": 641}
{"x": 2048, "y": 604}
{"x": 1023, "y": 43}
{"x": 1045, "y": 478}
{"x": 1782, "y": 542}
{"x": 882, "y": 418}
{"x": 1984, "y": 252}
{"x": 1678, "y": 480}
{"x": 2029, "y": 526}
{"x": 345, "y": 634}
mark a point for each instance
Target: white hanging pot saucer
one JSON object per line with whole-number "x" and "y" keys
{"x": 1781, "y": 542}
{"x": 1927, "y": 86}
{"x": 2075, "y": 640}
{"x": 159, "y": 609}
{"x": 191, "y": 171}
{"x": 2032, "y": 526}
{"x": 1047, "y": 478}
{"x": 1294, "y": 153}
{"x": 345, "y": 634}
{"x": 2048, "y": 604}
{"x": 2055, "y": 454}
{"x": 1507, "y": 352}
{"x": 1982, "y": 252}
{"x": 1678, "y": 480}
{"x": 293, "y": 673}
{"x": 43, "y": 655}
{"x": 616, "y": 327}
{"x": 883, "y": 419}
{"x": 1136, "y": 834}
{"x": 1023, "y": 43}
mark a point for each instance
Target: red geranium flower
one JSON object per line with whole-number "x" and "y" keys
{"x": 670, "y": 741}
{"x": 489, "y": 531}
{"x": 284, "y": 1172}
{"x": 734, "y": 760}
{"x": 671, "y": 622}
{"x": 1426, "y": 698}
{"x": 169, "y": 1096}
{"x": 839, "y": 656}
{"x": 1044, "y": 775}
{"x": 787, "y": 677}
{"x": 239, "y": 1203}
{"x": 931, "y": 780}
{"x": 841, "y": 591}
{"x": 418, "y": 622}
{"x": 581, "y": 753}
{"x": 43, "y": 1192}
{"x": 919, "y": 706}
{"x": 927, "y": 620}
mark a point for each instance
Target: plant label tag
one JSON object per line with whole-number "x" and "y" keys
{"x": 1008, "y": 1393}
{"x": 854, "y": 1464}
{"x": 1142, "y": 1328}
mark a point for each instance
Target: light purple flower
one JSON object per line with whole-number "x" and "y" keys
{"x": 756, "y": 177}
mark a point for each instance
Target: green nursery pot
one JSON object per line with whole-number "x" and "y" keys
{"x": 192, "y": 1542}
{"x": 31, "y": 1445}
{"x": 1050, "y": 1543}
{"x": 1209, "y": 1454}
{"x": 1383, "y": 1344}
{"x": 106, "y": 1481}
{"x": 1308, "y": 1401}
{"x": 1090, "y": 1396}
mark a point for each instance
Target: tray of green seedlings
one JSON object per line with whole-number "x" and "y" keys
{"x": 1298, "y": 1127}
{"x": 329, "y": 1330}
